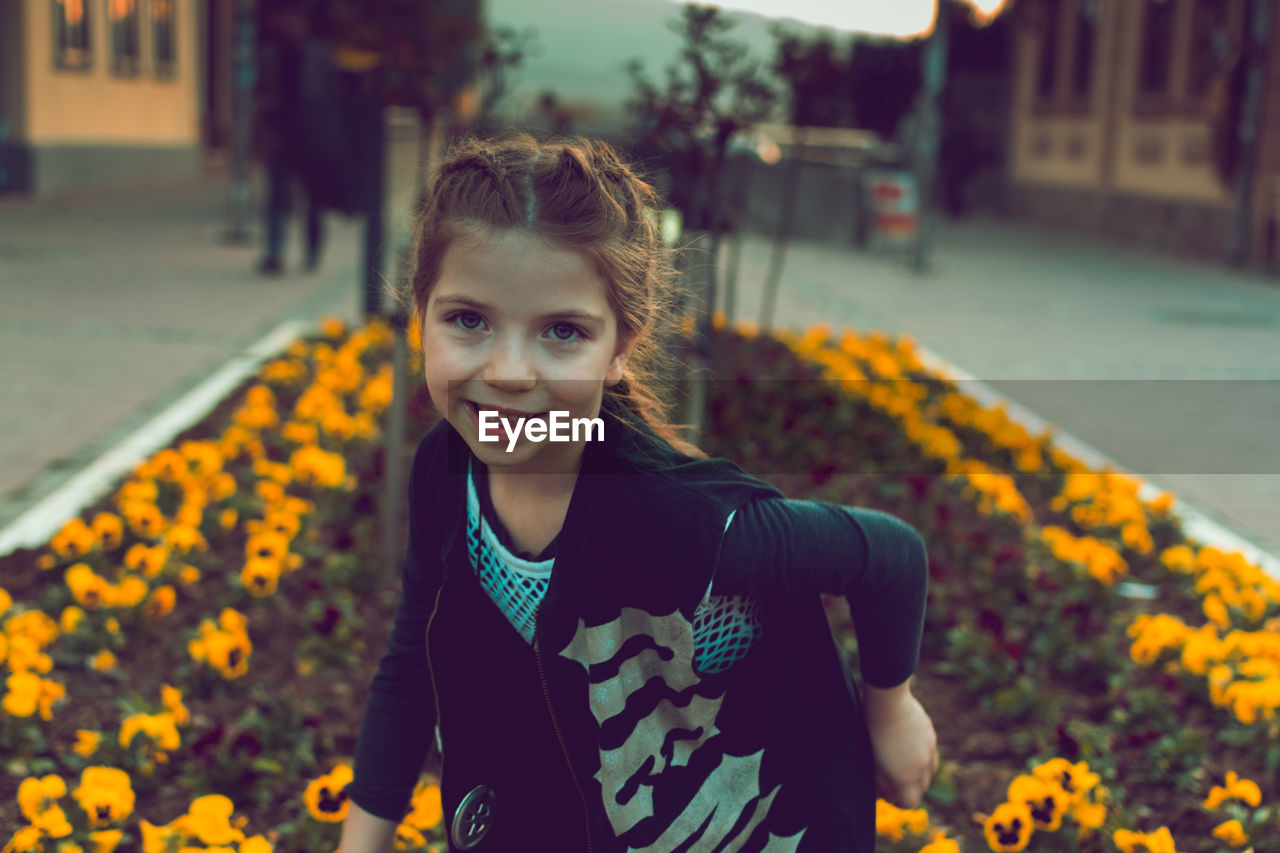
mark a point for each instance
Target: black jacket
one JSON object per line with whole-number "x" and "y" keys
{"x": 603, "y": 736}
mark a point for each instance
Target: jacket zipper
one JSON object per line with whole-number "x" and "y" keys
{"x": 546, "y": 694}
{"x": 435, "y": 694}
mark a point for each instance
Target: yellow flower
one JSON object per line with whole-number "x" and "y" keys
{"x": 185, "y": 538}
{"x": 1234, "y": 788}
{"x": 1160, "y": 841}
{"x": 1008, "y": 829}
{"x": 426, "y": 810}
{"x": 54, "y": 822}
{"x": 1231, "y": 832}
{"x": 37, "y": 795}
{"x": 315, "y": 466}
{"x": 326, "y": 798}
{"x": 109, "y": 529}
{"x": 87, "y": 586}
{"x": 266, "y": 545}
{"x": 86, "y": 742}
{"x": 255, "y": 844}
{"x": 105, "y": 840}
{"x": 408, "y": 837}
{"x": 260, "y": 576}
{"x": 171, "y": 698}
{"x": 160, "y": 728}
{"x": 941, "y": 844}
{"x": 105, "y": 794}
{"x": 70, "y": 619}
{"x": 143, "y": 518}
{"x": 75, "y": 539}
{"x": 1046, "y": 801}
{"x": 1215, "y": 610}
{"x": 1075, "y": 779}
{"x": 24, "y": 840}
{"x": 209, "y": 819}
{"x": 103, "y": 661}
{"x": 228, "y": 518}
{"x": 23, "y": 695}
{"x": 160, "y": 603}
{"x": 1153, "y": 635}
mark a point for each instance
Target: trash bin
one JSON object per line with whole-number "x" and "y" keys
{"x": 893, "y": 199}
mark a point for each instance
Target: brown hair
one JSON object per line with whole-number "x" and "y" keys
{"x": 576, "y": 194}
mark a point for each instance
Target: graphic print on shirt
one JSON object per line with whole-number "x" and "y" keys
{"x": 621, "y": 657}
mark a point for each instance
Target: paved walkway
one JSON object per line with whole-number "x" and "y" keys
{"x": 115, "y": 305}
{"x": 1169, "y": 367}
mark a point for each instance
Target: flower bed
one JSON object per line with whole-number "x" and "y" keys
{"x": 208, "y": 633}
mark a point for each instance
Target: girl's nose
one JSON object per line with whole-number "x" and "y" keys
{"x": 509, "y": 368}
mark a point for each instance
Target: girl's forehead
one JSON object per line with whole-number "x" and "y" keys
{"x": 511, "y": 266}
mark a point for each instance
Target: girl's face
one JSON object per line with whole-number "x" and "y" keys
{"x": 518, "y": 325}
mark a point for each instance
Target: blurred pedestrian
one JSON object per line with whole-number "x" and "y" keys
{"x": 294, "y": 75}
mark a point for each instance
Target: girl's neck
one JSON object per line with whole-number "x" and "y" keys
{"x": 548, "y": 482}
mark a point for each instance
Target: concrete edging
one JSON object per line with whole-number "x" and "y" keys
{"x": 38, "y": 524}
{"x": 1195, "y": 523}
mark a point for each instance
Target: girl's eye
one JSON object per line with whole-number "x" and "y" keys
{"x": 566, "y": 333}
{"x": 469, "y": 320}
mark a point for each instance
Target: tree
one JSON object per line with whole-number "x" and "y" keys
{"x": 870, "y": 84}
{"x": 502, "y": 50}
{"x": 713, "y": 91}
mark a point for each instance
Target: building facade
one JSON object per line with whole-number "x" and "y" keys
{"x": 1126, "y": 118}
{"x": 97, "y": 93}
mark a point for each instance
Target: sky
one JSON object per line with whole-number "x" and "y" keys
{"x": 583, "y": 45}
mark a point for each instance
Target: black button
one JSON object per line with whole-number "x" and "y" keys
{"x": 474, "y": 817}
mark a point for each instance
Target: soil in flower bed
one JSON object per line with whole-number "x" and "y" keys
{"x": 317, "y": 713}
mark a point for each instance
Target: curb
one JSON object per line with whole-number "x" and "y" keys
{"x": 1196, "y": 524}
{"x": 37, "y": 525}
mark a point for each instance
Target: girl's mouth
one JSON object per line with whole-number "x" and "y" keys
{"x": 509, "y": 414}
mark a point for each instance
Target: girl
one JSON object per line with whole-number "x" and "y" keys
{"x": 615, "y": 643}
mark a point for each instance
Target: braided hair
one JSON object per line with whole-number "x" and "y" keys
{"x": 577, "y": 194}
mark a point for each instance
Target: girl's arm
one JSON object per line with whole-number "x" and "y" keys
{"x": 903, "y": 741}
{"x": 366, "y": 833}
{"x": 399, "y": 718}
{"x": 879, "y": 563}
{"x": 876, "y": 560}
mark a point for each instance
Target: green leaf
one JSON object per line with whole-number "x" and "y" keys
{"x": 267, "y": 765}
{"x": 43, "y": 766}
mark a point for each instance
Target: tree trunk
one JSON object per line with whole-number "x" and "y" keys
{"x": 786, "y": 222}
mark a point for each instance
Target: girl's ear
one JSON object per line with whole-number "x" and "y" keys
{"x": 619, "y": 361}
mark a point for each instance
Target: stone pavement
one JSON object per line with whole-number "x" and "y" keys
{"x": 113, "y": 305}
{"x": 1169, "y": 367}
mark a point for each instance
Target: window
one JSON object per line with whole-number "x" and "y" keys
{"x": 1157, "y": 48}
{"x": 71, "y": 45}
{"x": 163, "y": 38}
{"x": 126, "y": 32}
{"x": 1086, "y": 26}
{"x": 1047, "y": 73}
{"x": 1211, "y": 43}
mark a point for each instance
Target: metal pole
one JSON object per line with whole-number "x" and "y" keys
{"x": 929, "y": 121}
{"x": 1241, "y": 223}
{"x": 244, "y": 74}
{"x": 373, "y": 222}
{"x": 394, "y": 455}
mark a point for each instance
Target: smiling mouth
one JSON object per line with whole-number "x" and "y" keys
{"x": 509, "y": 414}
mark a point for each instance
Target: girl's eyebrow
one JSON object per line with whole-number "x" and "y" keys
{"x": 568, "y": 313}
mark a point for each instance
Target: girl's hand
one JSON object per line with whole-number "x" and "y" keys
{"x": 903, "y": 742}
